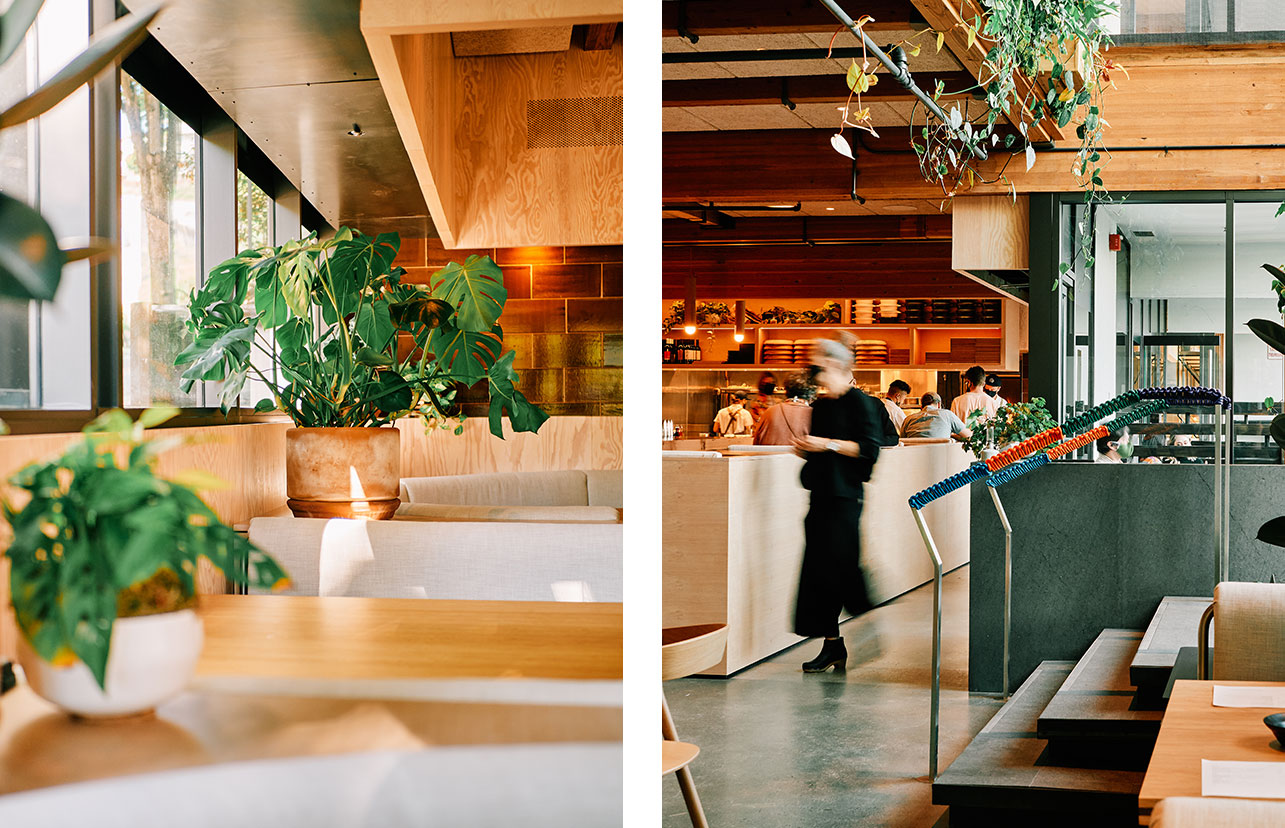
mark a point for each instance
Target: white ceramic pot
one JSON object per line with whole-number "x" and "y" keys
{"x": 152, "y": 657}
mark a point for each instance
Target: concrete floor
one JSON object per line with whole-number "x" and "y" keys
{"x": 784, "y": 749}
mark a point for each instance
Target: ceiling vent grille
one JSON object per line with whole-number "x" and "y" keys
{"x": 557, "y": 123}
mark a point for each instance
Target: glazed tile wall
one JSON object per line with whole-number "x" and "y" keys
{"x": 563, "y": 318}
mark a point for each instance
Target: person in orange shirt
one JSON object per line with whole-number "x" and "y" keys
{"x": 782, "y": 424}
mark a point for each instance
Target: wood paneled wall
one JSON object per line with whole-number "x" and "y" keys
{"x": 563, "y": 318}
{"x": 563, "y": 443}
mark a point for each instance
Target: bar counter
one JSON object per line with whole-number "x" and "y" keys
{"x": 733, "y": 538}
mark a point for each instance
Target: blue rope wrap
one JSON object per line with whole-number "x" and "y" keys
{"x": 1016, "y": 470}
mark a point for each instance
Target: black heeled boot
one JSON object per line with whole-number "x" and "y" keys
{"x": 833, "y": 654}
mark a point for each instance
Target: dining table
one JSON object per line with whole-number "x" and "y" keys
{"x": 1194, "y": 730}
{"x": 291, "y": 677}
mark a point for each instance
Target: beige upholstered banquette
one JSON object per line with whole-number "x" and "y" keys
{"x": 1199, "y": 812}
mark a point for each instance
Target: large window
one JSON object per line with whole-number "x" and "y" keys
{"x": 1171, "y": 283}
{"x": 158, "y": 198}
{"x": 1197, "y": 20}
{"x": 44, "y": 347}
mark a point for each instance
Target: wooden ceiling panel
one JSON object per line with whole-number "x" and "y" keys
{"x": 720, "y": 17}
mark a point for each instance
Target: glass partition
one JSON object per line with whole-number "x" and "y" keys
{"x": 1196, "y": 20}
{"x": 1258, "y": 372}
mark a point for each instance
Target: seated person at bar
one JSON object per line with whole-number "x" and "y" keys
{"x": 735, "y": 419}
{"x": 992, "y": 386}
{"x": 898, "y": 391}
{"x": 781, "y": 424}
{"x": 974, "y": 397}
{"x": 761, "y": 403}
{"x": 935, "y": 421}
{"x": 1115, "y": 447}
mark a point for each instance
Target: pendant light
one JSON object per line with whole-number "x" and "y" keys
{"x": 689, "y": 308}
{"x": 739, "y": 333}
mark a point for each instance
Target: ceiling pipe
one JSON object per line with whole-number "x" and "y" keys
{"x": 897, "y": 68}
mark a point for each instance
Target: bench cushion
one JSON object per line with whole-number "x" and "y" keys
{"x": 510, "y": 514}
{"x": 545, "y": 488}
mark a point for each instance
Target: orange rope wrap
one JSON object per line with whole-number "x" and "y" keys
{"x": 1028, "y": 446}
{"x": 1077, "y": 443}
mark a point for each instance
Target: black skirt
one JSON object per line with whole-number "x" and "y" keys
{"x": 831, "y": 578}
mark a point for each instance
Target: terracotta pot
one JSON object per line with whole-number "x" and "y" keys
{"x": 151, "y": 659}
{"x": 343, "y": 472}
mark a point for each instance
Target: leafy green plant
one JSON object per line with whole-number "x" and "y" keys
{"x": 1012, "y": 423}
{"x": 336, "y": 308}
{"x": 103, "y": 536}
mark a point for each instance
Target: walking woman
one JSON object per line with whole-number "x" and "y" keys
{"x": 840, "y": 452}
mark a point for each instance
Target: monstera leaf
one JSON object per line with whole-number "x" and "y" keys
{"x": 30, "y": 261}
{"x": 221, "y": 349}
{"x": 421, "y": 310}
{"x": 475, "y": 288}
{"x": 1270, "y": 332}
{"x": 504, "y": 397}
{"x": 465, "y": 355}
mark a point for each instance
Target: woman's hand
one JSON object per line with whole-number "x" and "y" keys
{"x": 808, "y": 444}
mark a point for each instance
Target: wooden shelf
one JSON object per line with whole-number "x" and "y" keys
{"x": 778, "y": 366}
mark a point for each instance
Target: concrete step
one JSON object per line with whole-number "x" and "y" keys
{"x": 1005, "y": 776}
{"x": 1093, "y": 714}
{"x": 1174, "y": 626}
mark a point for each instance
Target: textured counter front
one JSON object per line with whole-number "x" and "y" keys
{"x": 732, "y": 540}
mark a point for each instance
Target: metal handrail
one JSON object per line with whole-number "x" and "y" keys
{"x": 899, "y": 72}
{"x": 1203, "y": 667}
{"x": 1008, "y": 579}
{"x": 936, "y": 685}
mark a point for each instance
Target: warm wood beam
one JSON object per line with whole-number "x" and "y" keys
{"x": 732, "y": 17}
{"x": 599, "y": 36}
{"x": 949, "y": 16}
{"x": 815, "y": 228}
{"x": 766, "y": 166}
{"x": 800, "y": 89}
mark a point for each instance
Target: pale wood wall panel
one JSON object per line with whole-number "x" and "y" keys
{"x": 991, "y": 233}
{"x": 562, "y": 443}
{"x": 507, "y": 194}
{"x": 421, "y": 101}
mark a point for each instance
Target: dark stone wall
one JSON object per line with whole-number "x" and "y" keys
{"x": 1097, "y": 546}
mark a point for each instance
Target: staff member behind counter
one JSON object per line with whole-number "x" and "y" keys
{"x": 898, "y": 390}
{"x": 974, "y": 396}
{"x": 934, "y": 421}
{"x": 782, "y": 424}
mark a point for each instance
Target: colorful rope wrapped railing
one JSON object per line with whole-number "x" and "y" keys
{"x": 1187, "y": 395}
{"x": 972, "y": 474}
{"x": 1136, "y": 413}
{"x": 1016, "y": 470}
{"x": 1028, "y": 446}
{"x": 1083, "y": 422}
{"x": 1076, "y": 443}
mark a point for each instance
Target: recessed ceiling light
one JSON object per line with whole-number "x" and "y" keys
{"x": 355, "y": 131}
{"x": 829, "y": 208}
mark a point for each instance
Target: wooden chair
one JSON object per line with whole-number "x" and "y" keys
{"x": 1249, "y": 633}
{"x": 684, "y": 651}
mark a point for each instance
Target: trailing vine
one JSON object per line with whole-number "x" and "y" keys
{"x": 1046, "y": 60}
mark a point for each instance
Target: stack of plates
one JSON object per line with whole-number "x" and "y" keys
{"x": 778, "y": 351}
{"x": 890, "y": 310}
{"x": 916, "y": 311}
{"x": 871, "y": 352}
{"x": 803, "y": 351}
{"x": 864, "y": 311}
{"x": 943, "y": 310}
{"x": 990, "y": 311}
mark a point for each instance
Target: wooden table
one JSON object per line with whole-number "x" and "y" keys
{"x": 296, "y": 676}
{"x": 1192, "y": 730}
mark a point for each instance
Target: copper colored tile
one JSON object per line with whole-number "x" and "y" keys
{"x": 613, "y": 350}
{"x": 595, "y": 315}
{"x": 611, "y": 410}
{"x": 541, "y": 385}
{"x": 580, "y": 350}
{"x": 595, "y": 254}
{"x": 566, "y": 280}
{"x": 529, "y": 255}
{"x": 517, "y": 278}
{"x": 594, "y": 385}
{"x": 437, "y": 256}
{"x": 571, "y": 409}
{"x": 478, "y": 410}
{"x": 534, "y": 316}
{"x": 521, "y": 344}
{"x": 418, "y": 275}
{"x": 412, "y": 253}
{"x": 613, "y": 280}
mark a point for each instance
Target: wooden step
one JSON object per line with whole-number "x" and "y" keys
{"x": 1005, "y": 771}
{"x": 1174, "y": 626}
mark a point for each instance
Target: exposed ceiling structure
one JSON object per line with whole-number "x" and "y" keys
{"x": 295, "y": 75}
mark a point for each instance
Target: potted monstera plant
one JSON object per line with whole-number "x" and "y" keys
{"x": 102, "y": 569}
{"x": 345, "y": 348}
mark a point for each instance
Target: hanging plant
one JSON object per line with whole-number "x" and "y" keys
{"x": 1045, "y": 61}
